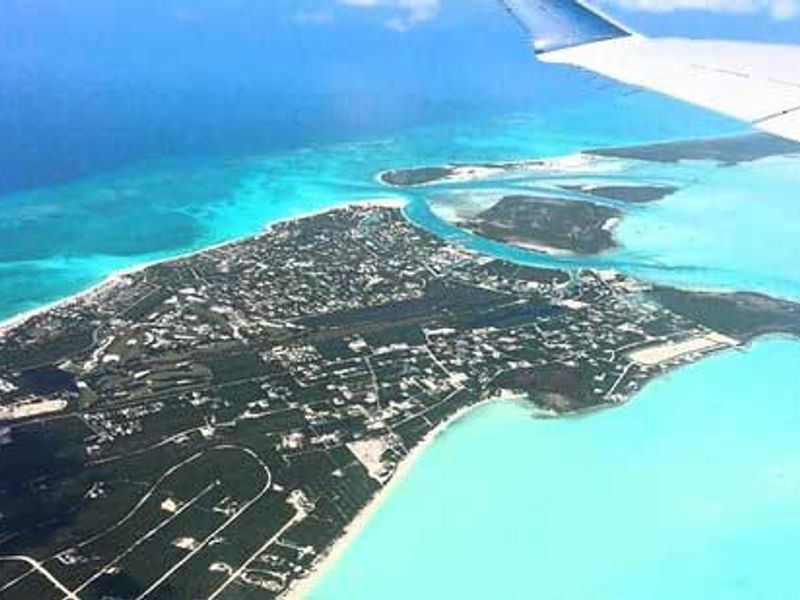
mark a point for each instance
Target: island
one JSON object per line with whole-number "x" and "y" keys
{"x": 636, "y": 194}
{"x": 211, "y": 426}
{"x": 725, "y": 151}
{"x": 544, "y": 224}
{"x": 584, "y": 223}
{"x": 728, "y": 150}
{"x": 420, "y": 176}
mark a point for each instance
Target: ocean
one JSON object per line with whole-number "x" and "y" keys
{"x": 689, "y": 491}
{"x": 63, "y": 238}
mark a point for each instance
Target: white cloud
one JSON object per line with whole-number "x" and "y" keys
{"x": 410, "y": 12}
{"x": 319, "y": 17}
{"x": 776, "y": 9}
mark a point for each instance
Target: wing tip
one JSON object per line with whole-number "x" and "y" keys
{"x": 560, "y": 24}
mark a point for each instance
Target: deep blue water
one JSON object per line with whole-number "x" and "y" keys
{"x": 90, "y": 85}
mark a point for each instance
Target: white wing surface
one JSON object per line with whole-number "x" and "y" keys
{"x": 756, "y": 83}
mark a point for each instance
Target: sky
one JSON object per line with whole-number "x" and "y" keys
{"x": 774, "y": 21}
{"x": 92, "y": 85}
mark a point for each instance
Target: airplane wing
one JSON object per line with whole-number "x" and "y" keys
{"x": 756, "y": 83}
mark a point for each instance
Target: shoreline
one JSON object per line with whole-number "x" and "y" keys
{"x": 10, "y": 323}
{"x": 564, "y": 164}
{"x": 301, "y": 588}
{"x": 328, "y": 559}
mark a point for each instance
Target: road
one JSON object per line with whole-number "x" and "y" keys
{"x": 68, "y": 595}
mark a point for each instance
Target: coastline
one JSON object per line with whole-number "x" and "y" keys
{"x": 328, "y": 558}
{"x": 651, "y": 406}
{"x": 301, "y": 589}
{"x": 580, "y": 162}
{"x": 116, "y": 277}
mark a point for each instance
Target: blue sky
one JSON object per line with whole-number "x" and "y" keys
{"x": 762, "y": 20}
{"x": 91, "y": 85}
{"x": 776, "y": 21}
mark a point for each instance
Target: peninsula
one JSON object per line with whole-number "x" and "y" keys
{"x": 210, "y": 426}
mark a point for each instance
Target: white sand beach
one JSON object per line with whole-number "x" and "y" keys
{"x": 302, "y": 588}
{"x": 579, "y": 163}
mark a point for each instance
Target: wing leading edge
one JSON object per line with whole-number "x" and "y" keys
{"x": 756, "y": 83}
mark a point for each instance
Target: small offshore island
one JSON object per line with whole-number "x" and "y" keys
{"x": 585, "y": 223}
{"x": 549, "y": 225}
{"x": 726, "y": 151}
{"x": 639, "y": 194}
{"x": 211, "y": 426}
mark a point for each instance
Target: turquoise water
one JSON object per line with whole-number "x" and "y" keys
{"x": 59, "y": 240}
{"x": 690, "y": 491}
{"x": 740, "y": 224}
{"x": 734, "y": 228}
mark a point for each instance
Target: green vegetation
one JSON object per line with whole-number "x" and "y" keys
{"x": 741, "y": 315}
{"x": 411, "y": 177}
{"x": 726, "y": 150}
{"x": 239, "y": 427}
{"x": 53, "y": 350}
{"x": 565, "y": 225}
